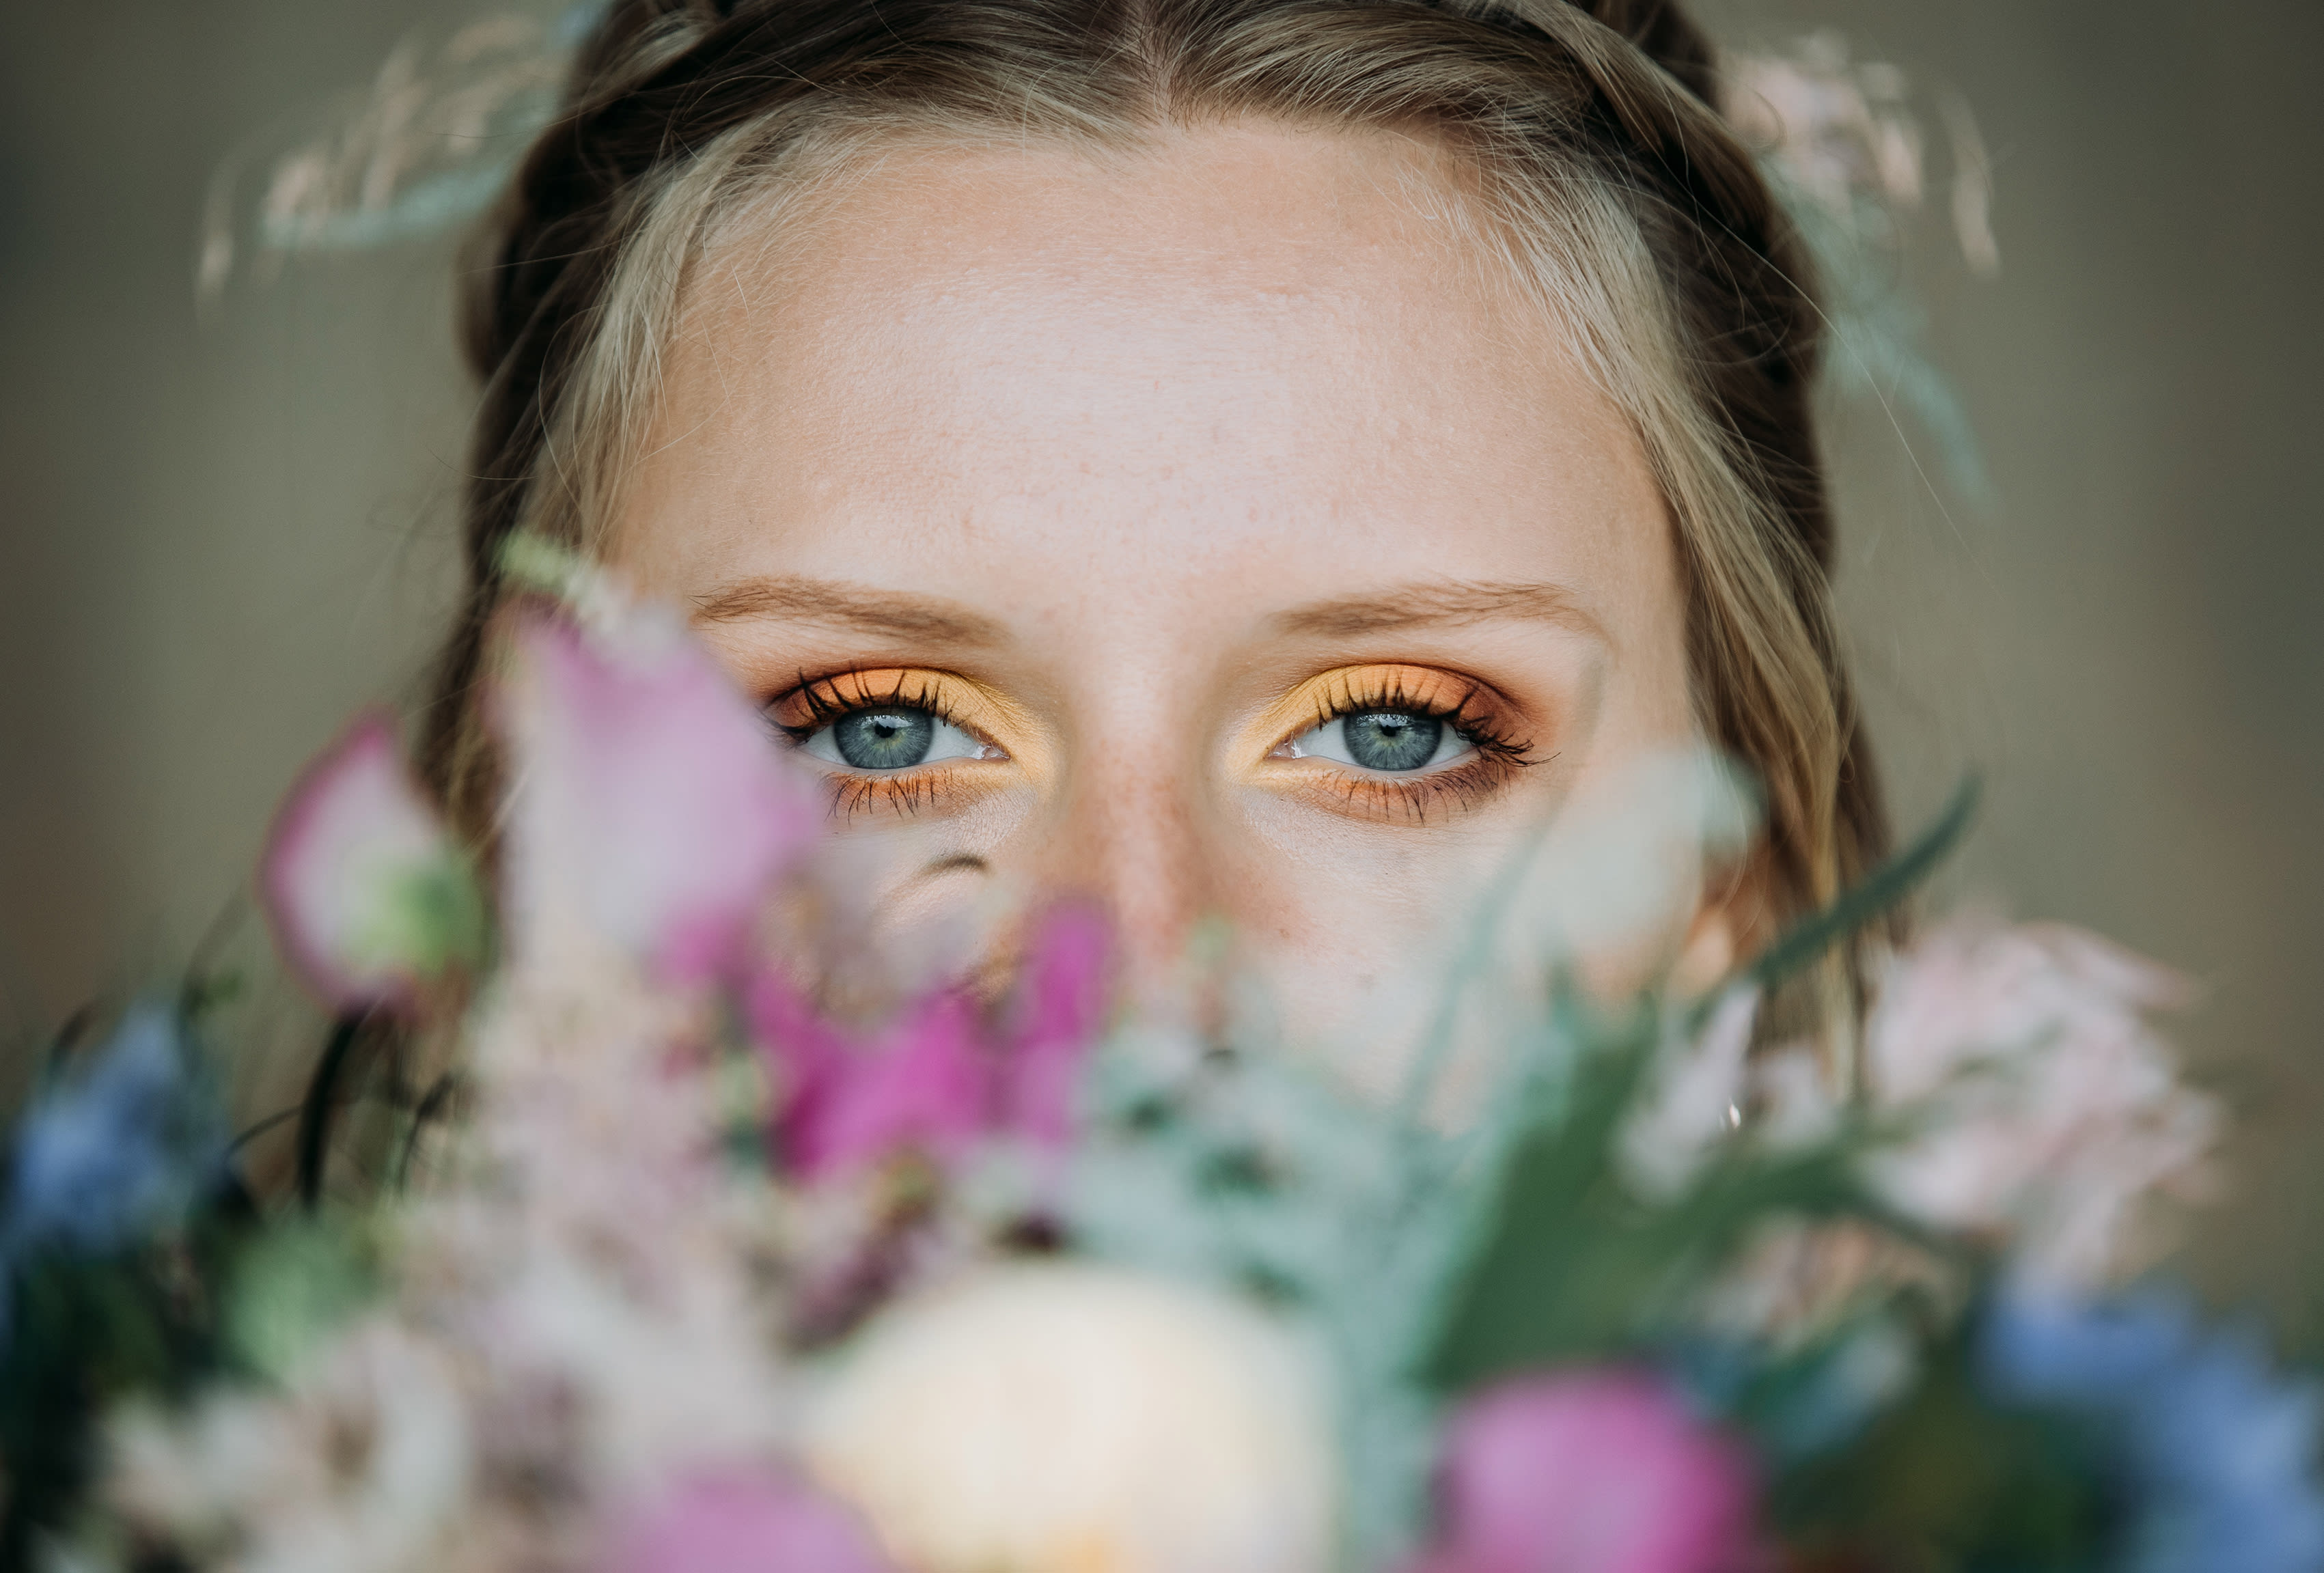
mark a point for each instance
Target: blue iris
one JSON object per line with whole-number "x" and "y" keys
{"x": 1393, "y": 740}
{"x": 2217, "y": 1456}
{"x": 885, "y": 740}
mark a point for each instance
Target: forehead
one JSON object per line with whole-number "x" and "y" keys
{"x": 1231, "y": 342}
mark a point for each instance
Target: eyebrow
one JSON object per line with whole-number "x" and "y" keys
{"x": 887, "y": 614}
{"x": 1439, "y": 602}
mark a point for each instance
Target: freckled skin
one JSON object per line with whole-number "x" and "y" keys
{"x": 1135, "y": 412}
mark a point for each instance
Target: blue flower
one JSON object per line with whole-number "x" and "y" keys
{"x": 2216, "y": 1456}
{"x": 119, "y": 1149}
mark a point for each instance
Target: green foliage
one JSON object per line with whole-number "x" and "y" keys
{"x": 1575, "y": 1264}
{"x": 296, "y": 1281}
{"x": 1276, "y": 1179}
{"x": 1955, "y": 1483}
{"x": 86, "y": 1330}
{"x": 436, "y": 919}
{"x": 1883, "y": 890}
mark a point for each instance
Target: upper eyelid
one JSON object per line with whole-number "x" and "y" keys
{"x": 951, "y": 698}
{"x": 826, "y": 700}
{"x": 1346, "y": 692}
{"x": 1349, "y": 699}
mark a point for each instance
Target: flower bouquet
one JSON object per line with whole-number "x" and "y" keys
{"x": 678, "y": 1266}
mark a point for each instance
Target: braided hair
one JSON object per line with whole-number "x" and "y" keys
{"x": 1592, "y": 123}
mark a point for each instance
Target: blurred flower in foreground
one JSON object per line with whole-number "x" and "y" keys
{"x": 1052, "y": 1417}
{"x": 2052, "y": 1111}
{"x": 934, "y": 1079}
{"x": 755, "y": 1521}
{"x": 918, "y": 1083}
{"x": 116, "y": 1148}
{"x": 1013, "y": 1301}
{"x": 1591, "y": 1471}
{"x": 649, "y": 804}
{"x": 367, "y": 892}
{"x": 2216, "y": 1456}
{"x": 362, "y": 1463}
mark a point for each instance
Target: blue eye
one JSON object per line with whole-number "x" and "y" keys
{"x": 892, "y": 737}
{"x": 1394, "y": 741}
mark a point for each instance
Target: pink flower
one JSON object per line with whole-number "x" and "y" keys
{"x": 1060, "y": 1011}
{"x": 919, "y": 1082}
{"x": 933, "y": 1078}
{"x": 755, "y": 1520}
{"x": 2049, "y": 1111}
{"x": 368, "y": 896}
{"x": 1599, "y": 1471}
{"x": 649, "y": 802}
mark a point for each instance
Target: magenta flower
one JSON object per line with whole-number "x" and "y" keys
{"x": 368, "y": 894}
{"x": 918, "y": 1083}
{"x": 935, "y": 1079}
{"x": 1060, "y": 1009}
{"x": 1596, "y": 1471}
{"x": 648, "y": 802}
{"x": 754, "y": 1521}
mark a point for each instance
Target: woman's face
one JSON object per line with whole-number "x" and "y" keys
{"x": 1206, "y": 531}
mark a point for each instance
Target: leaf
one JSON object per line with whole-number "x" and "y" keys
{"x": 1946, "y": 1479}
{"x": 297, "y": 1282}
{"x": 1571, "y": 1262}
{"x": 1880, "y": 891}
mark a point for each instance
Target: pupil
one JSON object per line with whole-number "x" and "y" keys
{"x": 1393, "y": 740}
{"x": 885, "y": 740}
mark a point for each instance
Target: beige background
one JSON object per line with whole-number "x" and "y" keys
{"x": 218, "y": 536}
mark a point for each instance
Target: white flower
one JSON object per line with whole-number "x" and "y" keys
{"x": 1052, "y": 1417}
{"x": 2050, "y": 1112}
{"x": 362, "y": 1466}
{"x": 662, "y": 1383}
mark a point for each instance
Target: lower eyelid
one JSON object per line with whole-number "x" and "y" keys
{"x": 1427, "y": 798}
{"x": 936, "y": 789}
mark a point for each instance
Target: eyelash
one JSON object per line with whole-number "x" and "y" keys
{"x": 1500, "y": 752}
{"x": 836, "y": 695}
{"x": 826, "y": 703}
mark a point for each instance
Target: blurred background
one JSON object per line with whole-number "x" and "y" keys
{"x": 223, "y": 529}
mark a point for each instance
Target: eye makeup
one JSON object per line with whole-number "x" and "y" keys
{"x": 1390, "y": 743}
{"x": 1397, "y": 742}
{"x": 902, "y": 739}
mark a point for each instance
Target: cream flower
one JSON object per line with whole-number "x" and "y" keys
{"x": 1073, "y": 1419}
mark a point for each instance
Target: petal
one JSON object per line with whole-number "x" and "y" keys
{"x": 920, "y": 1084}
{"x": 650, "y": 803}
{"x": 1593, "y": 1471}
{"x": 746, "y": 1521}
{"x": 368, "y": 894}
{"x": 1061, "y": 1001}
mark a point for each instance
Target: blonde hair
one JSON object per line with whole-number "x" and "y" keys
{"x": 1606, "y": 180}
